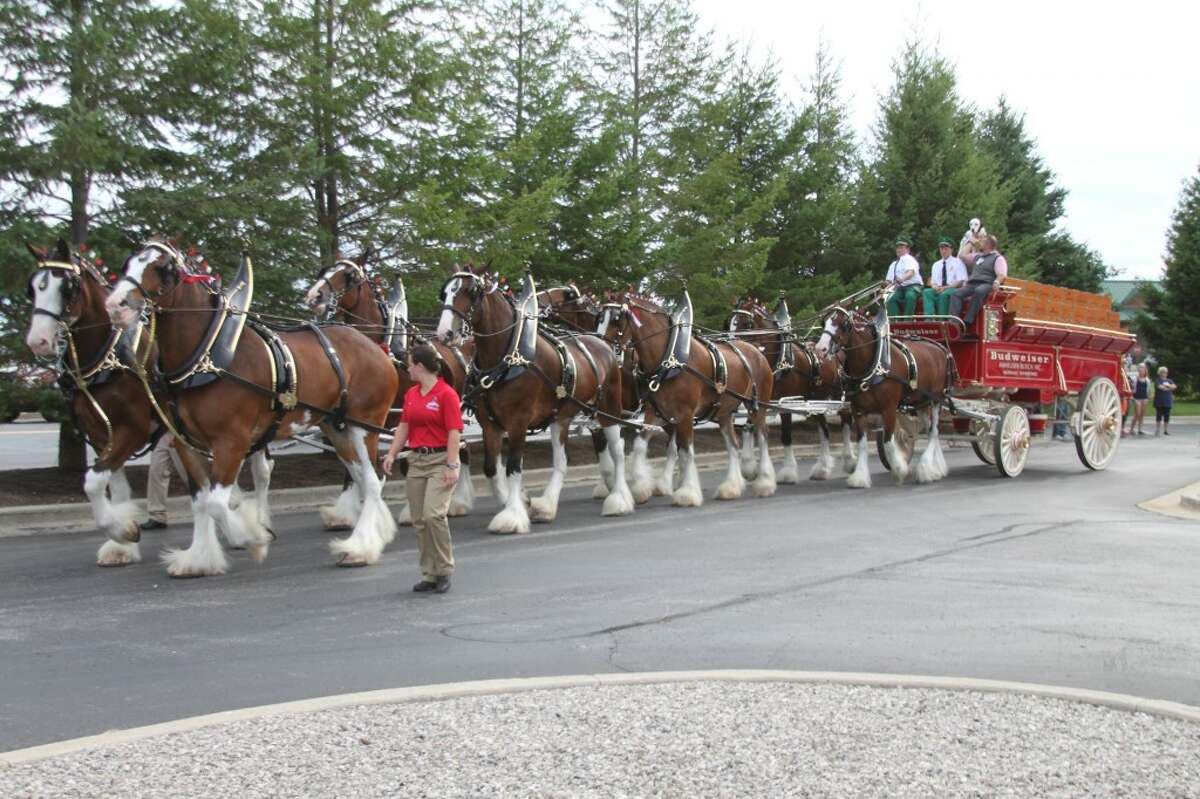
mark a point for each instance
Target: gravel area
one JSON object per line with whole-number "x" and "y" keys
{"x": 676, "y": 740}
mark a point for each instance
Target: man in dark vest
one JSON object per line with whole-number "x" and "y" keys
{"x": 988, "y": 271}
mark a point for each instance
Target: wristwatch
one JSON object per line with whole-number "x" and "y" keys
{"x": 453, "y": 466}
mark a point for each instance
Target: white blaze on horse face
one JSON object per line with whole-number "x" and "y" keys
{"x": 826, "y": 339}
{"x": 448, "y": 322}
{"x": 42, "y": 338}
{"x": 314, "y": 293}
{"x": 120, "y": 313}
{"x": 602, "y": 327}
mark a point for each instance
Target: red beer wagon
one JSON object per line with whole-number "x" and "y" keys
{"x": 1030, "y": 345}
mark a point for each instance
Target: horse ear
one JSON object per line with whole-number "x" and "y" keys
{"x": 38, "y": 253}
{"x": 363, "y": 257}
{"x": 62, "y": 251}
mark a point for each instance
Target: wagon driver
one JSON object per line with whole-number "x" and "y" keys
{"x": 905, "y": 275}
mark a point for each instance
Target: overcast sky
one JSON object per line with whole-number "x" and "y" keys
{"x": 1111, "y": 96}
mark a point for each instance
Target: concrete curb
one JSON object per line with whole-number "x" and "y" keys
{"x": 427, "y": 693}
{"x": 1183, "y": 503}
{"x": 76, "y": 517}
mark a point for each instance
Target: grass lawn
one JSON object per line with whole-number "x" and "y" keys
{"x": 1184, "y": 408}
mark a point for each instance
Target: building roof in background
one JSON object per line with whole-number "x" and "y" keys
{"x": 1125, "y": 296}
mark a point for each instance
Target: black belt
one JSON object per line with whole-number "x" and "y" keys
{"x": 425, "y": 450}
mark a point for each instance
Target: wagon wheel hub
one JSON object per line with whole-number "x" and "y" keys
{"x": 1108, "y": 424}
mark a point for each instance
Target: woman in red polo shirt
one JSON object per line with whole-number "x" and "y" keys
{"x": 430, "y": 430}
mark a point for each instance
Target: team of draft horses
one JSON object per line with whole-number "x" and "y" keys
{"x": 167, "y": 348}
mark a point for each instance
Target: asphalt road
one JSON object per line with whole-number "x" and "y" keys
{"x": 1055, "y": 577}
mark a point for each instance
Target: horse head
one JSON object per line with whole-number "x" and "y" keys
{"x": 150, "y": 276}
{"x": 462, "y": 298}
{"x": 333, "y": 283}
{"x": 747, "y": 314}
{"x": 58, "y": 293}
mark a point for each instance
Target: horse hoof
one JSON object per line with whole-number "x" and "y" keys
{"x": 352, "y": 561}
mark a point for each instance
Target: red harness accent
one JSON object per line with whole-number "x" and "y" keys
{"x": 190, "y": 279}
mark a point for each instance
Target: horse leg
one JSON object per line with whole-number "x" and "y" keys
{"x": 545, "y": 507}
{"x": 375, "y": 527}
{"x": 514, "y": 517}
{"x": 643, "y": 483}
{"x": 789, "y": 472}
{"x": 765, "y": 484}
{"x": 462, "y": 501}
{"x": 604, "y": 459}
{"x": 823, "y": 468}
{"x": 261, "y": 466}
{"x": 849, "y": 451}
{"x": 241, "y": 526}
{"x": 204, "y": 557}
{"x": 734, "y": 484}
{"x": 666, "y": 481}
{"x": 749, "y": 464}
{"x": 619, "y": 501}
{"x": 896, "y": 458}
{"x": 932, "y": 465}
{"x": 861, "y": 477}
{"x": 116, "y": 520}
{"x": 689, "y": 494}
{"x": 491, "y": 453}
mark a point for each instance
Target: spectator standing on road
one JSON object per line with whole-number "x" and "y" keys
{"x": 158, "y": 482}
{"x": 1141, "y": 395}
{"x": 430, "y": 430}
{"x": 1164, "y": 398}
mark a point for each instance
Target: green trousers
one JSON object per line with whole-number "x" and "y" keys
{"x": 936, "y": 304}
{"x": 906, "y": 295}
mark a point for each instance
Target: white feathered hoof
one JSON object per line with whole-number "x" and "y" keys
{"x": 731, "y": 489}
{"x": 749, "y": 469}
{"x": 849, "y": 464}
{"x": 600, "y": 491}
{"x": 542, "y": 511}
{"x": 820, "y": 471}
{"x": 788, "y": 475}
{"x": 195, "y": 562}
{"x": 861, "y": 478}
{"x": 258, "y": 537}
{"x": 507, "y": 523}
{"x": 350, "y": 556}
{"x": 687, "y": 497}
{"x": 764, "y": 486}
{"x": 662, "y": 488}
{"x": 124, "y": 525}
{"x": 335, "y": 521}
{"x": 113, "y": 554}
{"x": 404, "y": 517}
{"x": 617, "y": 504}
{"x": 641, "y": 490}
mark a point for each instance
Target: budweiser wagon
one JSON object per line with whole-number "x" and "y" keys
{"x": 1030, "y": 345}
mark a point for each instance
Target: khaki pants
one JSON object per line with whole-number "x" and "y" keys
{"x": 158, "y": 481}
{"x": 429, "y": 500}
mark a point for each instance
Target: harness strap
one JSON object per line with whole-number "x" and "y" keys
{"x": 337, "y": 416}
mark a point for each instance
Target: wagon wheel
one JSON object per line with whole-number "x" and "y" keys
{"x": 905, "y": 438}
{"x": 1097, "y": 424}
{"x": 1010, "y": 445}
{"x": 981, "y": 442}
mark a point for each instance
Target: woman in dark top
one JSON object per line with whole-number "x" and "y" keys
{"x": 1164, "y": 398}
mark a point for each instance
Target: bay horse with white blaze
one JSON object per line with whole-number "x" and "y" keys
{"x": 529, "y": 379}
{"x": 880, "y": 374}
{"x": 231, "y": 393}
{"x": 799, "y": 372}
{"x": 346, "y": 293}
{"x": 687, "y": 379}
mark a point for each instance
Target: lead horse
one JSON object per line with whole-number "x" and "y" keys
{"x": 687, "y": 379}
{"x": 232, "y": 391}
{"x": 882, "y": 374}
{"x": 527, "y": 380}
{"x": 345, "y": 292}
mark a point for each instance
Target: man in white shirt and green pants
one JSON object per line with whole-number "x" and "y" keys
{"x": 905, "y": 275}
